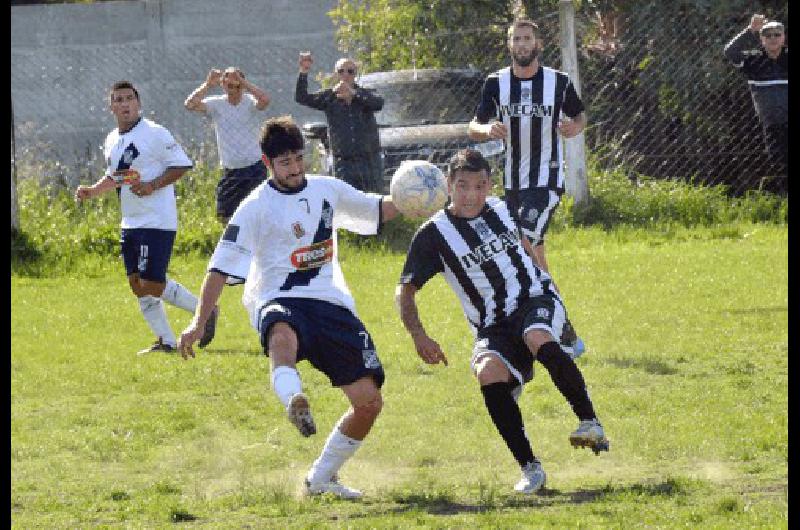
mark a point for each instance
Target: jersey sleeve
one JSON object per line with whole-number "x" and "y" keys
{"x": 357, "y": 211}
{"x": 422, "y": 260}
{"x": 490, "y": 95}
{"x": 235, "y": 248}
{"x": 572, "y": 102}
{"x": 169, "y": 151}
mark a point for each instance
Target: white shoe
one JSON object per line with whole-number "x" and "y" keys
{"x": 590, "y": 434}
{"x": 334, "y": 487}
{"x": 533, "y": 478}
{"x": 299, "y": 413}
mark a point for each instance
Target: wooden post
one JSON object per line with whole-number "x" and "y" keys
{"x": 574, "y": 148}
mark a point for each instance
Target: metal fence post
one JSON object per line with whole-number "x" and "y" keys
{"x": 574, "y": 148}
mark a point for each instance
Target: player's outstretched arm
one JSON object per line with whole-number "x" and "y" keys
{"x": 388, "y": 209}
{"x": 427, "y": 348}
{"x": 209, "y": 295}
{"x": 103, "y": 185}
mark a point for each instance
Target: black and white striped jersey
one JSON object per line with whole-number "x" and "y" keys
{"x": 530, "y": 109}
{"x": 482, "y": 260}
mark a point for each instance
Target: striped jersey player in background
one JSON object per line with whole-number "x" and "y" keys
{"x": 530, "y": 107}
{"x": 281, "y": 242}
{"x": 510, "y": 303}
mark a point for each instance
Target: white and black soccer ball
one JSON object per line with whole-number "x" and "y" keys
{"x": 418, "y": 188}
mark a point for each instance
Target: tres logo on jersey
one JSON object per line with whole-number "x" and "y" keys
{"x": 313, "y": 256}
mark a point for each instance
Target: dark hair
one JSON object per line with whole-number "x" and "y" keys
{"x": 119, "y": 85}
{"x": 523, "y": 23}
{"x": 279, "y": 136}
{"x": 468, "y": 160}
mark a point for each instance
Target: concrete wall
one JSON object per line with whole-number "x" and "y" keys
{"x": 64, "y": 57}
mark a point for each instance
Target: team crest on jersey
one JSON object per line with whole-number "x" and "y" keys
{"x": 525, "y": 93}
{"x": 297, "y": 228}
{"x": 482, "y": 229}
{"x": 313, "y": 256}
{"x": 531, "y": 215}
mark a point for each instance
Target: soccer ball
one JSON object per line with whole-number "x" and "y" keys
{"x": 418, "y": 188}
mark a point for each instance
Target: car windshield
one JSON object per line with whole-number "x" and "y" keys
{"x": 447, "y": 99}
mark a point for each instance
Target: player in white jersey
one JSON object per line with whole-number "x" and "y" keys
{"x": 281, "y": 241}
{"x": 531, "y": 107}
{"x": 509, "y": 302}
{"x": 237, "y": 117}
{"x": 143, "y": 161}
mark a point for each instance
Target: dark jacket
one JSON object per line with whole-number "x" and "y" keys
{"x": 352, "y": 129}
{"x": 767, "y": 78}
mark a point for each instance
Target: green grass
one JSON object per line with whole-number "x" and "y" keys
{"x": 687, "y": 331}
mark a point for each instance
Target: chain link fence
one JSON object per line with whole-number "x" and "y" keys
{"x": 661, "y": 98}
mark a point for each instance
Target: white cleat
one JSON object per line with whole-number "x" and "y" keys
{"x": 334, "y": 487}
{"x": 533, "y": 478}
{"x": 299, "y": 413}
{"x": 590, "y": 434}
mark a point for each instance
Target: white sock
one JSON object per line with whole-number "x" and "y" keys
{"x": 286, "y": 383}
{"x": 338, "y": 449}
{"x": 179, "y": 296}
{"x": 156, "y": 317}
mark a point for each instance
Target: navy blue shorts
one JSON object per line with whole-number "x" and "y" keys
{"x": 236, "y": 184}
{"x": 533, "y": 209}
{"x": 147, "y": 251}
{"x": 329, "y": 336}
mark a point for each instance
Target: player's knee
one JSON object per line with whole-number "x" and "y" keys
{"x": 535, "y": 338}
{"x": 489, "y": 369}
{"x": 281, "y": 340}
{"x": 371, "y": 406}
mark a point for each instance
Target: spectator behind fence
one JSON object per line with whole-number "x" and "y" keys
{"x": 352, "y": 129}
{"x": 765, "y": 63}
{"x": 237, "y": 123}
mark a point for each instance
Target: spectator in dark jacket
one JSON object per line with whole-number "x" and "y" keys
{"x": 352, "y": 129}
{"x": 760, "y": 52}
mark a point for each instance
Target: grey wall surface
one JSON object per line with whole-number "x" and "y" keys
{"x": 64, "y": 57}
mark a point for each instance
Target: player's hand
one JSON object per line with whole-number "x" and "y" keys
{"x": 305, "y": 62}
{"x": 214, "y": 77}
{"x": 497, "y": 131}
{"x": 569, "y": 128}
{"x": 429, "y": 350}
{"x": 190, "y": 335}
{"x": 757, "y": 22}
{"x": 83, "y": 192}
{"x": 344, "y": 91}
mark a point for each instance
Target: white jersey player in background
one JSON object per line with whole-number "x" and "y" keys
{"x": 509, "y": 302}
{"x": 143, "y": 161}
{"x": 281, "y": 241}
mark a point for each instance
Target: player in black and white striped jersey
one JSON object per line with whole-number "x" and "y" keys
{"x": 530, "y": 107}
{"x": 510, "y": 303}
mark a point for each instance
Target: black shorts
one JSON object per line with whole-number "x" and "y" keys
{"x": 506, "y": 338}
{"x": 236, "y": 184}
{"x": 533, "y": 209}
{"x": 147, "y": 251}
{"x": 329, "y": 336}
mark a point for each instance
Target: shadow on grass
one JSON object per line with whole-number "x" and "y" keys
{"x": 756, "y": 310}
{"x": 651, "y": 366}
{"x": 230, "y": 351}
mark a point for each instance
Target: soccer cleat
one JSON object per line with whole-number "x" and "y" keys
{"x": 299, "y": 413}
{"x": 575, "y": 349}
{"x": 533, "y": 478}
{"x": 157, "y": 346}
{"x": 333, "y": 486}
{"x": 210, "y": 329}
{"x": 590, "y": 434}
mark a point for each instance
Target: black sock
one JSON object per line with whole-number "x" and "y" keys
{"x": 567, "y": 378}
{"x": 507, "y": 417}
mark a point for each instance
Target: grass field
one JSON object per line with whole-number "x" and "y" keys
{"x": 687, "y": 365}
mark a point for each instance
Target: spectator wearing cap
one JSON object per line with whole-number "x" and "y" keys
{"x": 761, "y": 54}
{"x": 352, "y": 128}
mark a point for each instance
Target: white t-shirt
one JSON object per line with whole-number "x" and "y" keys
{"x": 149, "y": 149}
{"x": 237, "y": 128}
{"x": 284, "y": 243}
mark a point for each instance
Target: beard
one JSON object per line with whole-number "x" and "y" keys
{"x": 526, "y": 60}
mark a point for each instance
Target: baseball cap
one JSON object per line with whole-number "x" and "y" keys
{"x": 772, "y": 24}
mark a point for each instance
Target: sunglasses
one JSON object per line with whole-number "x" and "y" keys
{"x": 350, "y": 71}
{"x": 771, "y": 35}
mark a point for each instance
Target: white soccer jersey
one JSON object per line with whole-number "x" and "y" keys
{"x": 530, "y": 109}
{"x": 284, "y": 243}
{"x": 482, "y": 259}
{"x": 149, "y": 149}
{"x": 237, "y": 129}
